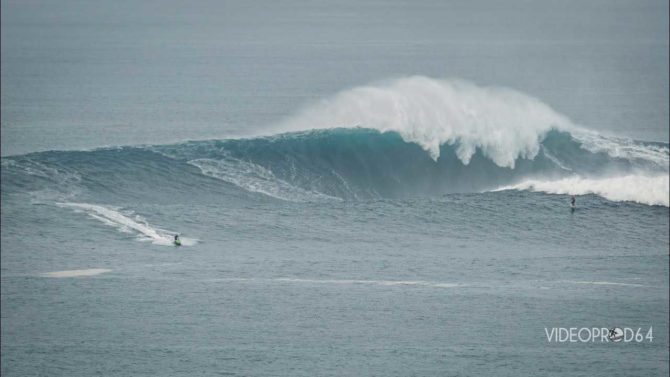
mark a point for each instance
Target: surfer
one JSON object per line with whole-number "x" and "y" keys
{"x": 177, "y": 241}
{"x": 572, "y": 201}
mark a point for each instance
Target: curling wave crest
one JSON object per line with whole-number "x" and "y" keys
{"x": 411, "y": 137}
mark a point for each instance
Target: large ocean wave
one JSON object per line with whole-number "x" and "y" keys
{"x": 411, "y": 137}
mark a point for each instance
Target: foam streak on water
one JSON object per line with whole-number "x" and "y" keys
{"x": 75, "y": 273}
{"x": 386, "y": 283}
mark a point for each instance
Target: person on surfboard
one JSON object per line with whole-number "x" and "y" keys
{"x": 177, "y": 241}
{"x": 572, "y": 201}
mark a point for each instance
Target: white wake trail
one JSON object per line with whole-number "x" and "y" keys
{"x": 113, "y": 217}
{"x": 75, "y": 273}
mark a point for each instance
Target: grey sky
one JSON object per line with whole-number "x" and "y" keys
{"x": 79, "y": 74}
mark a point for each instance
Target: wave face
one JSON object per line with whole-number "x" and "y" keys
{"x": 417, "y": 137}
{"x": 339, "y": 164}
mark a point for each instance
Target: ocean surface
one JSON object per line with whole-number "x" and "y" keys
{"x": 359, "y": 189}
{"x": 342, "y": 251}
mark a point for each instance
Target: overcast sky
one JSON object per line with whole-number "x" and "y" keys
{"x": 82, "y": 73}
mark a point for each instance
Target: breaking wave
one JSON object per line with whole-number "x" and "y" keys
{"x": 410, "y": 137}
{"x": 503, "y": 124}
{"x": 652, "y": 190}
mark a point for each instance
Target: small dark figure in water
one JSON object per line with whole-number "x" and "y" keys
{"x": 176, "y": 238}
{"x": 572, "y": 201}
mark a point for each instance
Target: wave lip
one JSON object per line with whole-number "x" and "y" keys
{"x": 644, "y": 189}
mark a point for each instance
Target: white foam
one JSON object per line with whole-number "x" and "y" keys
{"x": 620, "y": 147}
{"x": 255, "y": 178}
{"x": 75, "y": 273}
{"x": 503, "y": 123}
{"x": 651, "y": 190}
{"x": 113, "y": 217}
